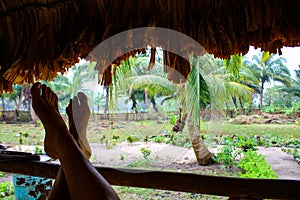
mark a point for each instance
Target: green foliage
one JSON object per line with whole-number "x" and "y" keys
{"x": 38, "y": 150}
{"x": 115, "y": 137}
{"x": 6, "y": 189}
{"x": 131, "y": 139}
{"x": 146, "y": 152}
{"x": 172, "y": 118}
{"x": 272, "y": 108}
{"x": 228, "y": 153}
{"x": 122, "y": 157}
{"x": 254, "y": 165}
{"x": 158, "y": 139}
{"x": 294, "y": 152}
{"x": 247, "y": 142}
{"x": 179, "y": 139}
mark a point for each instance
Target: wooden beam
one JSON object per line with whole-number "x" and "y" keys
{"x": 185, "y": 182}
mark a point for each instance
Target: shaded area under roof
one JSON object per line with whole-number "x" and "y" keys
{"x": 39, "y": 38}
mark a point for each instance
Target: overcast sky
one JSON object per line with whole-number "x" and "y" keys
{"x": 291, "y": 54}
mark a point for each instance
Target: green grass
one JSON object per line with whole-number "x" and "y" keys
{"x": 282, "y": 130}
{"x": 31, "y": 134}
{"x": 101, "y": 131}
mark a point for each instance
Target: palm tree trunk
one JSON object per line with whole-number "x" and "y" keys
{"x": 234, "y": 102}
{"x": 32, "y": 113}
{"x": 152, "y": 99}
{"x": 242, "y": 106}
{"x": 203, "y": 155}
{"x": 106, "y": 101}
{"x": 147, "y": 100}
{"x": 261, "y": 95}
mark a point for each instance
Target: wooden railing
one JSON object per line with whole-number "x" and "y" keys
{"x": 237, "y": 188}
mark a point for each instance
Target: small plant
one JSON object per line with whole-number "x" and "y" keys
{"x": 228, "y": 153}
{"x": 254, "y": 165}
{"x": 158, "y": 139}
{"x": 38, "y": 150}
{"x": 172, "y": 118}
{"x": 115, "y": 137}
{"x": 103, "y": 139}
{"x": 146, "y": 152}
{"x": 122, "y": 157}
{"x": 131, "y": 139}
{"x": 6, "y": 189}
{"x": 146, "y": 139}
{"x": 227, "y": 156}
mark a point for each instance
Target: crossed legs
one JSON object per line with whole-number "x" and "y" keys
{"x": 78, "y": 113}
{"x": 81, "y": 178}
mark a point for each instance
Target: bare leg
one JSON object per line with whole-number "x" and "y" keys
{"x": 83, "y": 180}
{"x": 81, "y": 112}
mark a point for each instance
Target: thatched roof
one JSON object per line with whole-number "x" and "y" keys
{"x": 41, "y": 37}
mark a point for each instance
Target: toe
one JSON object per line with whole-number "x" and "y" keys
{"x": 75, "y": 103}
{"x": 44, "y": 91}
{"x": 36, "y": 89}
{"x": 82, "y": 98}
{"x": 35, "y": 93}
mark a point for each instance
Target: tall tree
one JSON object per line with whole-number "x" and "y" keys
{"x": 240, "y": 79}
{"x": 268, "y": 67}
{"x": 78, "y": 79}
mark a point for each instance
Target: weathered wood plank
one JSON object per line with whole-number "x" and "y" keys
{"x": 185, "y": 182}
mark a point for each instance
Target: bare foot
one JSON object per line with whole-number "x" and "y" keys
{"x": 44, "y": 103}
{"x": 79, "y": 113}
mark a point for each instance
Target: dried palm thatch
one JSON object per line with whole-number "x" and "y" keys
{"x": 39, "y": 38}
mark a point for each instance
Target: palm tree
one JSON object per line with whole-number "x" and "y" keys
{"x": 207, "y": 84}
{"x": 289, "y": 95}
{"x": 134, "y": 79}
{"x": 241, "y": 82}
{"x": 67, "y": 86}
{"x": 294, "y": 90}
{"x": 211, "y": 82}
{"x": 269, "y": 67}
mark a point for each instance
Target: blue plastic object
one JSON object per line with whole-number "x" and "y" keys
{"x": 31, "y": 187}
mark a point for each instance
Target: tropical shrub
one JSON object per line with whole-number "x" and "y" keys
{"x": 6, "y": 189}
{"x": 254, "y": 165}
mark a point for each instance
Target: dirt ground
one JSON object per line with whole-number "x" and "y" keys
{"x": 168, "y": 157}
{"x": 164, "y": 157}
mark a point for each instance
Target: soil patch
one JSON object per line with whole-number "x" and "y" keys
{"x": 169, "y": 157}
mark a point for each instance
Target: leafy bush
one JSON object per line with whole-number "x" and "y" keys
{"x": 254, "y": 165}
{"x": 247, "y": 142}
{"x": 6, "y": 189}
{"x": 228, "y": 153}
{"x": 179, "y": 139}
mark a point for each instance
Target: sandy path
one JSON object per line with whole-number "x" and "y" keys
{"x": 283, "y": 164}
{"x": 166, "y": 155}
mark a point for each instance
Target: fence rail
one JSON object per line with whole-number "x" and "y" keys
{"x": 236, "y": 188}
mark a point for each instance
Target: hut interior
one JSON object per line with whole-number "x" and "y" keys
{"x": 39, "y": 38}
